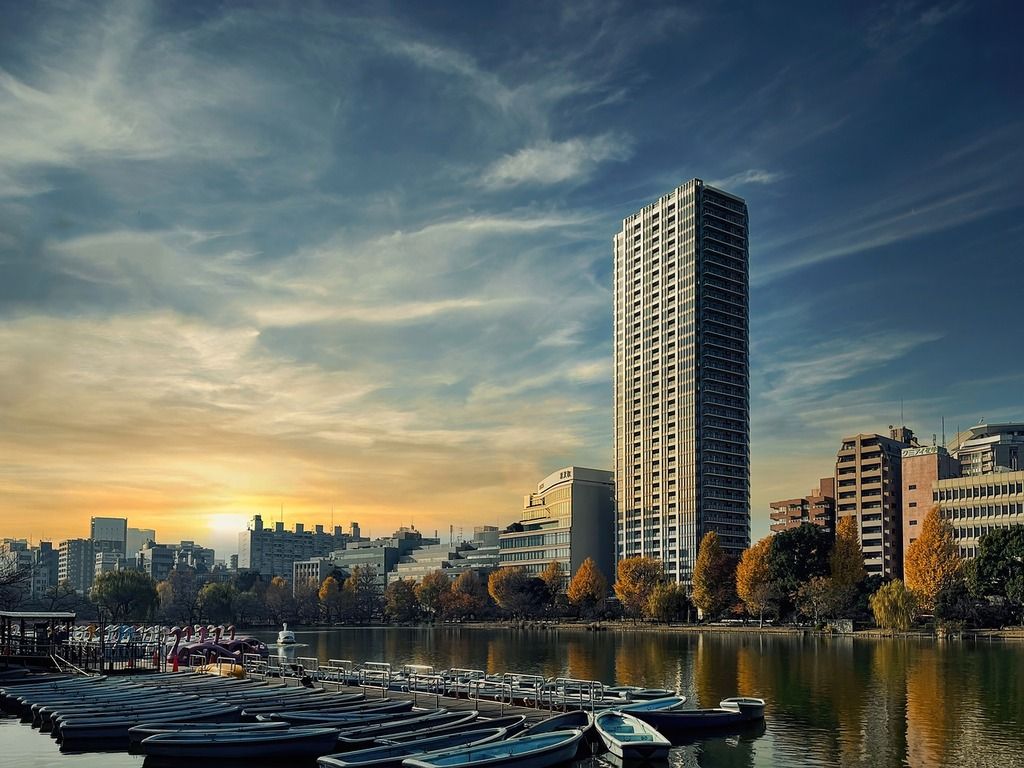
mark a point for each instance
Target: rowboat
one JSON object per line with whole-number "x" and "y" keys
{"x": 653, "y": 705}
{"x": 392, "y": 755}
{"x": 144, "y": 730}
{"x": 364, "y": 735}
{"x": 749, "y": 706}
{"x": 540, "y": 751}
{"x": 344, "y": 718}
{"x": 560, "y": 722}
{"x": 297, "y": 743}
{"x": 512, "y": 724}
{"x": 117, "y": 728}
{"x": 628, "y": 738}
{"x": 680, "y": 724}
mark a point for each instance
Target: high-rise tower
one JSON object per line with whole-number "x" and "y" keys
{"x": 682, "y": 407}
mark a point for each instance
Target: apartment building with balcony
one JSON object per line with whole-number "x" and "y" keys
{"x": 817, "y": 508}
{"x": 869, "y": 487}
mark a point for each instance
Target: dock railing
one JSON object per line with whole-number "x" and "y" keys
{"x": 490, "y": 690}
{"x": 459, "y": 679}
{"x": 338, "y": 671}
{"x": 568, "y": 692}
{"x": 375, "y": 674}
{"x": 421, "y": 678}
{"x": 255, "y": 665}
{"x": 526, "y": 687}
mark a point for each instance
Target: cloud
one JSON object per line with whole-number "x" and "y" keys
{"x": 551, "y": 162}
{"x": 751, "y": 176}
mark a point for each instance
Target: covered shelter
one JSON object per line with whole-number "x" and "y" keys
{"x": 30, "y": 633}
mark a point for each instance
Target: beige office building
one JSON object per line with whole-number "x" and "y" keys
{"x": 978, "y": 505}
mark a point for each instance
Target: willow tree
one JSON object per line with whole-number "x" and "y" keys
{"x": 894, "y": 606}
{"x": 932, "y": 560}
{"x": 754, "y": 584}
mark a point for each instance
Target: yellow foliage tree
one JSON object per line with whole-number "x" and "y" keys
{"x": 932, "y": 560}
{"x": 846, "y": 564}
{"x": 753, "y": 579}
{"x": 635, "y": 580}
{"x": 588, "y": 588}
{"x": 713, "y": 577}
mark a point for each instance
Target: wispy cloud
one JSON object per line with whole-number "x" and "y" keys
{"x": 554, "y": 162}
{"x": 750, "y": 176}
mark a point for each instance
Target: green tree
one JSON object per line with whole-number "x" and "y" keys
{"x": 588, "y": 589}
{"x": 894, "y": 606}
{"x": 431, "y": 591}
{"x": 932, "y": 559}
{"x": 753, "y": 580}
{"x": 249, "y": 608}
{"x": 998, "y": 569}
{"x": 668, "y": 602}
{"x": 125, "y": 595}
{"x": 218, "y": 601}
{"x": 955, "y": 607}
{"x": 635, "y": 580}
{"x": 797, "y": 556}
{"x": 714, "y": 577}
{"x": 179, "y": 596}
{"x": 400, "y": 603}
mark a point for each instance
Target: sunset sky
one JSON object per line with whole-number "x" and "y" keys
{"x": 359, "y": 255}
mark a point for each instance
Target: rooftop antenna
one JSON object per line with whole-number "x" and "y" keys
{"x": 902, "y": 422}
{"x": 943, "y": 431}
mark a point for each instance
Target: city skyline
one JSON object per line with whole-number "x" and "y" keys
{"x": 324, "y": 258}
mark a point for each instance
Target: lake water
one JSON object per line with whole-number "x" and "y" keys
{"x": 831, "y": 701}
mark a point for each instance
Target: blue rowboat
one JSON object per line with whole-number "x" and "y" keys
{"x": 364, "y": 735}
{"x": 293, "y": 743}
{"x": 512, "y": 724}
{"x": 653, "y": 705}
{"x": 392, "y": 755}
{"x": 629, "y": 738}
{"x": 682, "y": 724}
{"x": 144, "y": 730}
{"x": 560, "y": 722}
{"x": 541, "y": 751}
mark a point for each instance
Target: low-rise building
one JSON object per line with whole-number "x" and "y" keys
{"x": 988, "y": 448}
{"x": 817, "y": 508}
{"x": 980, "y": 504}
{"x": 569, "y": 518}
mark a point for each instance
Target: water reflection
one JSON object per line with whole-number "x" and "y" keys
{"x": 831, "y": 701}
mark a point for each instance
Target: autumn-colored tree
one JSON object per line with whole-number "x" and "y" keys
{"x": 515, "y": 591}
{"x": 588, "y": 589}
{"x": 400, "y": 602}
{"x": 635, "y": 580}
{"x": 307, "y": 600}
{"x": 554, "y": 577}
{"x": 278, "y": 599}
{"x": 431, "y": 591}
{"x": 894, "y": 606}
{"x": 668, "y": 602}
{"x": 818, "y": 598}
{"x": 468, "y": 596}
{"x": 331, "y": 598}
{"x": 754, "y": 585}
{"x": 846, "y": 564}
{"x": 713, "y": 577}
{"x": 932, "y": 560}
